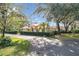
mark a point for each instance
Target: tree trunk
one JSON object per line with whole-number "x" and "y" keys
{"x": 58, "y": 27}
{"x": 3, "y": 32}
{"x": 66, "y": 28}
{"x": 4, "y": 16}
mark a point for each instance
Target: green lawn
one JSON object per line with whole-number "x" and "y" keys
{"x": 20, "y": 48}
{"x": 69, "y": 36}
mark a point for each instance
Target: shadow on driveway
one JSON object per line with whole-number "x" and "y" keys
{"x": 67, "y": 48}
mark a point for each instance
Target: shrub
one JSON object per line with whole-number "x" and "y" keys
{"x": 76, "y": 31}
{"x": 11, "y": 32}
{"x": 38, "y": 33}
{"x": 4, "y": 42}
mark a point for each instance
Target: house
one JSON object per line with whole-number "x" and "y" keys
{"x": 54, "y": 28}
{"x": 40, "y": 28}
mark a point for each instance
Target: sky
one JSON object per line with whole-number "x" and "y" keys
{"x": 28, "y": 9}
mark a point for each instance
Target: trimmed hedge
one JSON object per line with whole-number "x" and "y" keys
{"x": 13, "y": 32}
{"x": 38, "y": 33}
{"x": 35, "y": 33}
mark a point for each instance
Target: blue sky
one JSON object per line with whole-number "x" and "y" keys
{"x": 28, "y": 9}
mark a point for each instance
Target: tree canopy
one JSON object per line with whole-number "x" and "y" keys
{"x": 10, "y": 19}
{"x": 59, "y": 12}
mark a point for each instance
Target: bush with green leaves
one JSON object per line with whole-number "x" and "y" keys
{"x": 6, "y": 41}
{"x": 76, "y": 31}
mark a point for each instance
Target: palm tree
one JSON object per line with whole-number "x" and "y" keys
{"x": 45, "y": 26}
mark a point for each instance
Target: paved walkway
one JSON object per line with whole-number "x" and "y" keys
{"x": 42, "y": 46}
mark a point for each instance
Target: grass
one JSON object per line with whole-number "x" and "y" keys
{"x": 69, "y": 36}
{"x": 20, "y": 48}
{"x": 7, "y": 51}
